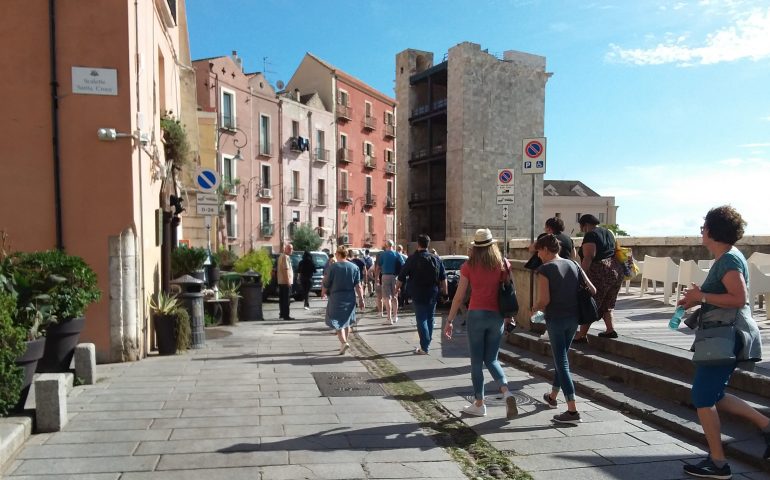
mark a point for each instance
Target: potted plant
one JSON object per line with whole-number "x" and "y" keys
{"x": 188, "y": 261}
{"x": 176, "y": 146}
{"x": 165, "y": 311}
{"x": 230, "y": 289}
{"x": 226, "y": 258}
{"x": 54, "y": 291}
{"x": 255, "y": 268}
{"x": 12, "y": 347}
{"x": 212, "y": 269}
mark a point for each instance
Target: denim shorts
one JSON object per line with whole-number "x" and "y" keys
{"x": 708, "y": 386}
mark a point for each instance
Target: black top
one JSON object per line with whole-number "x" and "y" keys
{"x": 566, "y": 245}
{"x": 604, "y": 241}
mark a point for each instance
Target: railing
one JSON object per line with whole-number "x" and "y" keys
{"x": 370, "y": 200}
{"x": 370, "y": 238}
{"x": 229, "y": 187}
{"x": 344, "y": 112}
{"x": 427, "y": 108}
{"x": 266, "y": 149}
{"x": 390, "y": 130}
{"x": 345, "y": 155}
{"x": 266, "y": 229}
{"x": 370, "y": 161}
{"x": 321, "y": 200}
{"x": 321, "y": 155}
{"x": 370, "y": 123}
{"x": 296, "y": 194}
{"x": 294, "y": 145}
{"x": 389, "y": 203}
{"x": 390, "y": 168}
{"x": 344, "y": 196}
{"x": 345, "y": 239}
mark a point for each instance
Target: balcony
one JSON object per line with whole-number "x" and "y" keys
{"x": 344, "y": 196}
{"x": 230, "y": 187}
{"x": 266, "y": 229}
{"x": 296, "y": 194}
{"x": 265, "y": 150}
{"x": 370, "y": 199}
{"x": 321, "y": 155}
{"x": 320, "y": 200}
{"x": 390, "y": 168}
{"x": 424, "y": 109}
{"x": 345, "y": 155}
{"x": 390, "y": 131}
{"x": 344, "y": 112}
{"x": 264, "y": 192}
{"x": 390, "y": 203}
{"x": 295, "y": 145}
{"x": 345, "y": 239}
{"x": 370, "y": 239}
{"x": 369, "y": 123}
{"x": 370, "y": 162}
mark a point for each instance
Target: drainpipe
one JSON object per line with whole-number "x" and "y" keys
{"x": 55, "y": 123}
{"x": 310, "y": 169}
{"x": 145, "y": 318}
{"x": 281, "y": 209}
{"x": 334, "y": 169}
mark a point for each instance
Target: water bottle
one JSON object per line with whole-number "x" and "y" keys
{"x": 538, "y": 317}
{"x": 673, "y": 324}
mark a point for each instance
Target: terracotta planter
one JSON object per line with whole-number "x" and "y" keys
{"x": 165, "y": 333}
{"x": 61, "y": 340}
{"x": 28, "y": 362}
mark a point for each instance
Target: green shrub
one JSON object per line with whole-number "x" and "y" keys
{"x": 176, "y": 146}
{"x": 258, "y": 261}
{"x": 186, "y": 260}
{"x": 12, "y": 346}
{"x": 225, "y": 258}
{"x": 183, "y": 330}
{"x": 305, "y": 238}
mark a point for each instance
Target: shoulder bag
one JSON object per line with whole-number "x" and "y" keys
{"x": 715, "y": 338}
{"x": 506, "y": 295}
{"x": 587, "y": 309}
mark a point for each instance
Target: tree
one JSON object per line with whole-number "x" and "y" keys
{"x": 306, "y": 238}
{"x": 614, "y": 228}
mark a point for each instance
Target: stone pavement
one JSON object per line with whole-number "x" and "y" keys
{"x": 247, "y": 407}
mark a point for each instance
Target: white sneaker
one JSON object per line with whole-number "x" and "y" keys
{"x": 344, "y": 348}
{"x": 472, "y": 409}
{"x": 395, "y": 320}
{"x": 307, "y": 308}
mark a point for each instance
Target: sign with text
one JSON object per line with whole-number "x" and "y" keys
{"x": 207, "y": 199}
{"x": 207, "y": 209}
{"x": 94, "y": 81}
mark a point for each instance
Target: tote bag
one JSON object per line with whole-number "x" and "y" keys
{"x": 587, "y": 308}
{"x": 506, "y": 295}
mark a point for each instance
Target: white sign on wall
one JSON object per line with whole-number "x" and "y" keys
{"x": 94, "y": 81}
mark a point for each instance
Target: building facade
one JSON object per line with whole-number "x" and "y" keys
{"x": 118, "y": 65}
{"x": 459, "y": 122}
{"x": 365, "y": 167}
{"x": 570, "y": 199}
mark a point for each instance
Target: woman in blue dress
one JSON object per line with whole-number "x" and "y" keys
{"x": 343, "y": 285}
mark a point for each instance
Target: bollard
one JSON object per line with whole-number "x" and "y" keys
{"x": 50, "y": 402}
{"x": 85, "y": 363}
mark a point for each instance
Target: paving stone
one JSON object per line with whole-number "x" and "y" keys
{"x": 230, "y": 412}
{"x": 110, "y": 449}
{"x": 127, "y": 415}
{"x": 79, "y": 476}
{"x": 331, "y": 471}
{"x": 226, "y": 432}
{"x": 567, "y": 444}
{"x": 245, "y": 473}
{"x": 80, "y": 424}
{"x": 210, "y": 404}
{"x": 599, "y": 428}
{"x": 300, "y": 419}
{"x": 86, "y": 465}
{"x": 648, "y": 471}
{"x": 296, "y": 401}
{"x": 445, "y": 470}
{"x": 107, "y": 437}
{"x": 200, "y": 445}
{"x": 195, "y": 422}
{"x": 560, "y": 461}
{"x": 99, "y": 406}
{"x": 221, "y": 460}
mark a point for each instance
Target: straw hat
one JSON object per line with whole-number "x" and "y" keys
{"x": 483, "y": 238}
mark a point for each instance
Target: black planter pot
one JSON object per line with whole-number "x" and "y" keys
{"x": 199, "y": 274}
{"x": 230, "y": 312}
{"x": 165, "y": 333}
{"x": 28, "y": 362}
{"x": 61, "y": 340}
{"x": 212, "y": 273}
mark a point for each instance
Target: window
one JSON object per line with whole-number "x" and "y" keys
{"x": 389, "y": 120}
{"x": 344, "y": 181}
{"x": 231, "y": 218}
{"x": 389, "y": 227}
{"x": 295, "y": 191}
{"x": 369, "y": 225}
{"x": 344, "y": 223}
{"x": 228, "y": 171}
{"x": 389, "y": 157}
{"x": 368, "y": 109}
{"x": 368, "y": 186}
{"x": 320, "y": 139}
{"x": 320, "y": 222}
{"x": 265, "y": 177}
{"x": 343, "y": 140}
{"x": 264, "y": 135}
{"x": 228, "y": 109}
{"x": 267, "y": 215}
{"x": 343, "y": 98}
{"x": 295, "y": 216}
{"x": 389, "y": 190}
{"x": 294, "y": 128}
{"x": 321, "y": 192}
{"x": 558, "y": 215}
{"x": 368, "y": 149}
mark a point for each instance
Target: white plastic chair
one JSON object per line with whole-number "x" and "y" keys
{"x": 659, "y": 269}
{"x": 689, "y": 272}
{"x": 759, "y": 284}
{"x": 705, "y": 264}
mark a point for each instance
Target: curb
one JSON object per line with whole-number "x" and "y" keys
{"x": 14, "y": 431}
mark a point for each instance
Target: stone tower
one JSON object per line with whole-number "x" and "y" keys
{"x": 458, "y": 122}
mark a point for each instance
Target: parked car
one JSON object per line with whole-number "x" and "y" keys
{"x": 452, "y": 264}
{"x": 319, "y": 260}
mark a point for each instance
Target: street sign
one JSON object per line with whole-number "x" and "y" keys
{"x": 504, "y": 190}
{"x": 207, "y": 209}
{"x": 207, "y": 199}
{"x": 504, "y": 186}
{"x": 206, "y": 180}
{"x": 505, "y": 212}
{"x": 505, "y": 200}
{"x": 505, "y": 176}
{"x": 533, "y": 155}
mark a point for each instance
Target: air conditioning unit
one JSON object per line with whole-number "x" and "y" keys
{"x": 390, "y": 167}
{"x": 265, "y": 193}
{"x": 344, "y": 240}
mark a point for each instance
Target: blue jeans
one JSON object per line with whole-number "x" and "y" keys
{"x": 423, "y": 312}
{"x": 485, "y": 329}
{"x": 560, "y": 332}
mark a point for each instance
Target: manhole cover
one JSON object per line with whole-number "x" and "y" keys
{"x": 497, "y": 399}
{"x": 341, "y": 384}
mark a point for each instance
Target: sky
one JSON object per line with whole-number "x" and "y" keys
{"x": 664, "y": 105}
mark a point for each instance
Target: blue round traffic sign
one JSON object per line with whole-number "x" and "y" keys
{"x": 505, "y": 176}
{"x": 207, "y": 180}
{"x": 534, "y": 149}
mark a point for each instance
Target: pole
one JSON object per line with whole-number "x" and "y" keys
{"x": 532, "y": 240}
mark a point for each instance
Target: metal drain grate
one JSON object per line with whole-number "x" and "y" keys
{"x": 341, "y": 384}
{"x": 497, "y": 399}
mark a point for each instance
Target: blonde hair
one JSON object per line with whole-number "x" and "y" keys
{"x": 342, "y": 251}
{"x": 488, "y": 257}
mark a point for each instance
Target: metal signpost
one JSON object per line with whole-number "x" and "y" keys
{"x": 505, "y": 198}
{"x": 207, "y": 203}
{"x": 532, "y": 163}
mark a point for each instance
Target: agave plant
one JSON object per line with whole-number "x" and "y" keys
{"x": 164, "y": 304}
{"x": 230, "y": 288}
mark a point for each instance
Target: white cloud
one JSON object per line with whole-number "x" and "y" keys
{"x": 755, "y": 145}
{"x": 747, "y": 38}
{"x": 767, "y": 118}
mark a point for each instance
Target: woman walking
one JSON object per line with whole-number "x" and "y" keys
{"x": 725, "y": 288}
{"x": 343, "y": 285}
{"x": 557, "y": 286}
{"x": 306, "y": 269}
{"x": 484, "y": 271}
{"x": 605, "y": 272}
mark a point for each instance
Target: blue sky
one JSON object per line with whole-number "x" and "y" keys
{"x": 663, "y": 104}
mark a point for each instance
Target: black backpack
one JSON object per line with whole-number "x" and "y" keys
{"x": 426, "y": 270}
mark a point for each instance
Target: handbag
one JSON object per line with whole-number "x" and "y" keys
{"x": 506, "y": 295}
{"x": 715, "y": 338}
{"x": 588, "y": 311}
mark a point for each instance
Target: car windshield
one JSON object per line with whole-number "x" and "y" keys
{"x": 453, "y": 263}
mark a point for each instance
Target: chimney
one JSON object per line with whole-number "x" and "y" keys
{"x": 296, "y": 94}
{"x": 238, "y": 61}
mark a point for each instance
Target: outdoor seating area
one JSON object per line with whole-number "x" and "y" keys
{"x": 659, "y": 269}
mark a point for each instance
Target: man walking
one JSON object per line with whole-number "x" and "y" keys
{"x": 389, "y": 264}
{"x": 426, "y": 274}
{"x": 285, "y": 281}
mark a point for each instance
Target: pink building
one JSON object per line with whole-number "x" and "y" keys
{"x": 365, "y": 144}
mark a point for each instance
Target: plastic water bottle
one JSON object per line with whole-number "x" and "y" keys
{"x": 538, "y": 317}
{"x": 673, "y": 324}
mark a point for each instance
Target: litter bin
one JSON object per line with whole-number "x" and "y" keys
{"x": 251, "y": 291}
{"x": 192, "y": 298}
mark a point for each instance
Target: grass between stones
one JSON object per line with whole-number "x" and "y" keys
{"x": 477, "y": 457}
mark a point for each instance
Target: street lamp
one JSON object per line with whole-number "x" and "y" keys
{"x": 237, "y": 143}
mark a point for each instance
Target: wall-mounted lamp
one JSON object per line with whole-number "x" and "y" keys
{"x": 110, "y": 135}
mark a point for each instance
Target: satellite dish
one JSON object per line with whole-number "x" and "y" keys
{"x": 279, "y": 84}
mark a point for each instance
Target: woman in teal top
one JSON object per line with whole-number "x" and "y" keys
{"x": 724, "y": 287}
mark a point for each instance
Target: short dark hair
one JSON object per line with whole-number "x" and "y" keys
{"x": 556, "y": 224}
{"x": 724, "y": 224}
{"x": 366, "y": 251}
{"x": 423, "y": 240}
{"x": 588, "y": 219}
{"x": 549, "y": 242}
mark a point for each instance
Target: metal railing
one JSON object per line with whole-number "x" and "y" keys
{"x": 389, "y": 203}
{"x": 370, "y": 199}
{"x": 370, "y": 161}
{"x": 266, "y": 229}
{"x": 296, "y": 194}
{"x": 370, "y": 238}
{"x": 320, "y": 155}
{"x": 345, "y": 155}
{"x": 390, "y": 130}
{"x": 344, "y": 196}
{"x": 321, "y": 200}
{"x": 344, "y": 111}
{"x": 369, "y": 123}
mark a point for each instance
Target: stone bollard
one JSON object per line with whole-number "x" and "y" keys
{"x": 50, "y": 402}
{"x": 85, "y": 363}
